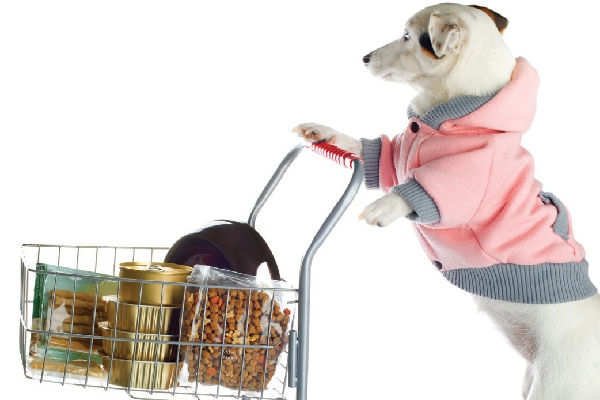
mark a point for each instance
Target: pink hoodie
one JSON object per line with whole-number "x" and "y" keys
{"x": 479, "y": 213}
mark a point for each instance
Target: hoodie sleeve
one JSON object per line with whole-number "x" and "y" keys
{"x": 380, "y": 173}
{"x": 425, "y": 211}
{"x": 378, "y": 161}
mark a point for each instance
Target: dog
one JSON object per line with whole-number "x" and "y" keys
{"x": 461, "y": 176}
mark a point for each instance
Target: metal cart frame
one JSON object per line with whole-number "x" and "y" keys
{"x": 296, "y": 370}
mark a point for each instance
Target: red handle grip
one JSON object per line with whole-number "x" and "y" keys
{"x": 334, "y": 153}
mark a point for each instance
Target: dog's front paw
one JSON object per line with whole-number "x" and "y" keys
{"x": 386, "y": 210}
{"x": 312, "y": 132}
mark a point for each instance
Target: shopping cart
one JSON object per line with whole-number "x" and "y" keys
{"x": 97, "y": 268}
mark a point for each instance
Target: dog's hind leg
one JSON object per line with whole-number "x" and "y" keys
{"x": 567, "y": 363}
{"x": 527, "y": 381}
{"x": 561, "y": 343}
{"x": 560, "y": 376}
{"x": 516, "y": 323}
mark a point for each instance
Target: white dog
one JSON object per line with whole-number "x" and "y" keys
{"x": 460, "y": 175}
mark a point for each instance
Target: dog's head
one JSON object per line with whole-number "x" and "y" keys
{"x": 447, "y": 50}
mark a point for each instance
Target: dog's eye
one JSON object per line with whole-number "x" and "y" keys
{"x": 406, "y": 36}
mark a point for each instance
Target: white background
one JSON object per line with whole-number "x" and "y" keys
{"x": 135, "y": 123}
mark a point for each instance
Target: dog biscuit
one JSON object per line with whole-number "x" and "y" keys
{"x": 67, "y": 294}
{"x": 75, "y": 367}
{"x": 87, "y": 320}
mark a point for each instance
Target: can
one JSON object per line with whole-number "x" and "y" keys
{"x": 142, "y": 318}
{"x": 164, "y": 292}
{"x": 141, "y": 374}
{"x": 138, "y": 346}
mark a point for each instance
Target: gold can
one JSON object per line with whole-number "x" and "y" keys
{"x": 164, "y": 292}
{"x": 138, "y": 346}
{"x": 141, "y": 318}
{"x": 141, "y": 374}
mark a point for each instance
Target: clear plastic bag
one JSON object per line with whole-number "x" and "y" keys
{"x": 239, "y": 325}
{"x": 67, "y": 306}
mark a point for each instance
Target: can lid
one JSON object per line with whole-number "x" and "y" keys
{"x": 149, "y": 269}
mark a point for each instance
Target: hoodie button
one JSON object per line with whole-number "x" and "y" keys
{"x": 414, "y": 127}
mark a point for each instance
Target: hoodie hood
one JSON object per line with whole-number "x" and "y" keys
{"x": 511, "y": 109}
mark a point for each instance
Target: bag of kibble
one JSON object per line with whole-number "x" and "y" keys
{"x": 238, "y": 326}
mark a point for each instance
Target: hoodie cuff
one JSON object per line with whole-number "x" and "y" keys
{"x": 371, "y": 149}
{"x": 425, "y": 211}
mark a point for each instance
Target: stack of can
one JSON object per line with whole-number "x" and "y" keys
{"x": 143, "y": 324}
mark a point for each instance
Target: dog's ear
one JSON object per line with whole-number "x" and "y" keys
{"x": 500, "y": 21}
{"x": 444, "y": 34}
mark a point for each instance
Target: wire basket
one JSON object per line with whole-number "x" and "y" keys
{"x": 220, "y": 342}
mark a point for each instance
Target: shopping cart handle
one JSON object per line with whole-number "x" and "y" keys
{"x": 334, "y": 153}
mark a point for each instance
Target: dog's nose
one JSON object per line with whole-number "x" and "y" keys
{"x": 367, "y": 59}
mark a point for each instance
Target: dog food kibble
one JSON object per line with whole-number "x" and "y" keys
{"x": 230, "y": 326}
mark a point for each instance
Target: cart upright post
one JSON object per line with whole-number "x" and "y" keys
{"x": 298, "y": 352}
